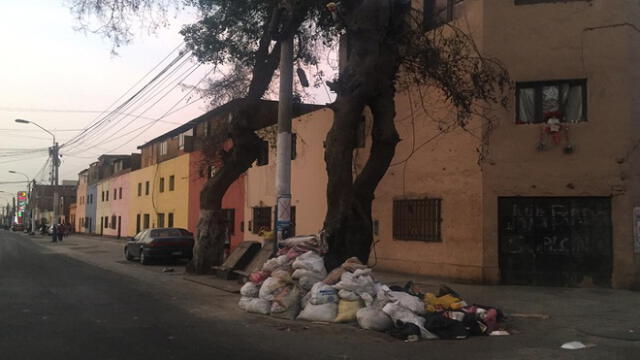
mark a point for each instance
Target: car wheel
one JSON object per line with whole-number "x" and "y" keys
{"x": 127, "y": 254}
{"x": 144, "y": 260}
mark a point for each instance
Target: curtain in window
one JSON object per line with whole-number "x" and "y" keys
{"x": 527, "y": 105}
{"x": 572, "y": 102}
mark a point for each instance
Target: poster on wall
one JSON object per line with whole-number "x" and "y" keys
{"x": 636, "y": 230}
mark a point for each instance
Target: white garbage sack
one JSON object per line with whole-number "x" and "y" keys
{"x": 373, "y": 318}
{"x": 307, "y": 282}
{"x": 398, "y": 312}
{"x": 312, "y": 262}
{"x": 322, "y": 293}
{"x": 250, "y": 289}
{"x": 278, "y": 263}
{"x": 413, "y": 303}
{"x": 271, "y": 287}
{"x": 359, "y": 282}
{"x": 300, "y": 273}
{"x": 348, "y": 295}
{"x": 287, "y": 297}
{"x": 307, "y": 241}
{"x": 255, "y": 305}
{"x": 325, "y": 312}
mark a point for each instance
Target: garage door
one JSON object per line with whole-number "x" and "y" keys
{"x": 555, "y": 241}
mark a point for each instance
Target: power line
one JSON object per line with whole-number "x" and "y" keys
{"x": 170, "y": 111}
{"x": 144, "y": 102}
{"x": 111, "y": 137}
{"x": 96, "y": 120}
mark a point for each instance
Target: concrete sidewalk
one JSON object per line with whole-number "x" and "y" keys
{"x": 538, "y": 317}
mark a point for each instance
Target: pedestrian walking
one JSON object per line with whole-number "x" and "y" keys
{"x": 54, "y": 233}
{"x": 60, "y": 232}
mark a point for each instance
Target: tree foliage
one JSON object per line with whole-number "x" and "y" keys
{"x": 387, "y": 51}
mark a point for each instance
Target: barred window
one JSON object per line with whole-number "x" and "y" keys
{"x": 229, "y": 219}
{"x": 261, "y": 219}
{"x": 417, "y": 220}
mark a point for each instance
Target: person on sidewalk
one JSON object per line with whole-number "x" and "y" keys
{"x": 60, "y": 232}
{"x": 54, "y": 233}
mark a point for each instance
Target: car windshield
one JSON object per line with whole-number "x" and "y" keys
{"x": 165, "y": 233}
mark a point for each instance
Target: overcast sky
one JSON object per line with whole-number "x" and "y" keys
{"x": 47, "y": 68}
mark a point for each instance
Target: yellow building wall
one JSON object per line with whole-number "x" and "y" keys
{"x": 103, "y": 207}
{"x": 308, "y": 176}
{"x": 156, "y": 202}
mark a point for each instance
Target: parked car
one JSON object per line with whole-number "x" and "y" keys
{"x": 161, "y": 243}
{"x": 17, "y": 227}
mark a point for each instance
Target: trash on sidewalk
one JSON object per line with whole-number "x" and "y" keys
{"x": 295, "y": 285}
{"x": 168, "y": 269}
{"x": 576, "y": 345}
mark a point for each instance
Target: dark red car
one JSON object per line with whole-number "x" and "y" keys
{"x": 162, "y": 243}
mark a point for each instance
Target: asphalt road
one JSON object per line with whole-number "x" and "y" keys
{"x": 81, "y": 301}
{"x": 55, "y": 307}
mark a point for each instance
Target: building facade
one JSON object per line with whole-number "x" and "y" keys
{"x": 547, "y": 196}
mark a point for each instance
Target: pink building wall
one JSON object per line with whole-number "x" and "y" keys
{"x": 120, "y": 207}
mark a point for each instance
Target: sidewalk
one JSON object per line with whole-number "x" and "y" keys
{"x": 539, "y": 318}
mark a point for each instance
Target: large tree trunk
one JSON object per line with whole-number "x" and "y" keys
{"x": 210, "y": 234}
{"x": 367, "y": 80}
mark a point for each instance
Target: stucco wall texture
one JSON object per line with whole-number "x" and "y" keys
{"x": 546, "y": 41}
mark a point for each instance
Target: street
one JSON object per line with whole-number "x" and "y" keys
{"x": 80, "y": 300}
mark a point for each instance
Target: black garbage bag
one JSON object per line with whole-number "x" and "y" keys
{"x": 445, "y": 328}
{"x": 403, "y": 330}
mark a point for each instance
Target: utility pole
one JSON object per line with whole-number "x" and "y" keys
{"x": 55, "y": 166}
{"x": 283, "y": 164}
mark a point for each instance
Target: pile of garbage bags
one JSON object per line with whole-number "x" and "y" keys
{"x": 296, "y": 285}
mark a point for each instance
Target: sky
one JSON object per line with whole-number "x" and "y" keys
{"x": 62, "y": 78}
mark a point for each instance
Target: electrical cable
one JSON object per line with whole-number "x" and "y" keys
{"x": 113, "y": 124}
{"x": 97, "y": 120}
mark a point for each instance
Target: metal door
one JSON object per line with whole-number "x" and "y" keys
{"x": 555, "y": 241}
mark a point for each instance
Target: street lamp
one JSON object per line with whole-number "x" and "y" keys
{"x": 55, "y": 163}
{"x": 29, "y": 204}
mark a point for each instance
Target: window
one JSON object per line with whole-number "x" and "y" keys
{"x": 172, "y": 183}
{"x": 261, "y": 219}
{"x": 170, "y": 220}
{"x": 107, "y": 195}
{"x": 263, "y": 155}
{"x": 161, "y": 220}
{"x": 229, "y": 219}
{"x": 113, "y": 221}
{"x": 120, "y": 193}
{"x": 103, "y": 196}
{"x": 91, "y": 199}
{"x": 115, "y": 194}
{"x": 146, "y": 188}
{"x": 536, "y": 102}
{"x": 139, "y": 189}
{"x": 206, "y": 128}
{"x": 418, "y": 220}
{"x": 181, "y": 138}
{"x": 161, "y": 187}
{"x": 106, "y": 222}
{"x": 138, "y": 223}
{"x": 163, "y": 148}
{"x": 145, "y": 221}
{"x": 211, "y": 171}
{"x": 439, "y": 12}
